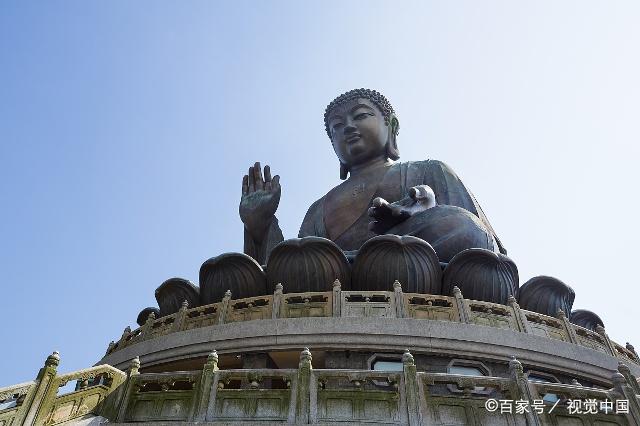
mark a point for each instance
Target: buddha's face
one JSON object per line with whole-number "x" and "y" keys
{"x": 358, "y": 132}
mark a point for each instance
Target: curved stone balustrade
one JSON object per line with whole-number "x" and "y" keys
{"x": 307, "y": 395}
{"x": 376, "y": 304}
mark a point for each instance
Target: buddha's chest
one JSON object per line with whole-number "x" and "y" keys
{"x": 347, "y": 203}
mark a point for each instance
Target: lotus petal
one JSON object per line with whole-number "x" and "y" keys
{"x": 231, "y": 271}
{"x": 386, "y": 258}
{"x": 586, "y": 319}
{"x": 173, "y": 292}
{"x": 481, "y": 275}
{"x": 144, "y": 314}
{"x": 546, "y": 295}
{"x": 307, "y": 264}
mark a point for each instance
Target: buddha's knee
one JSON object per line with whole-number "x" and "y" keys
{"x": 449, "y": 230}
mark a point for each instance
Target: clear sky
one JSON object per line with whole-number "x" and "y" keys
{"x": 126, "y": 128}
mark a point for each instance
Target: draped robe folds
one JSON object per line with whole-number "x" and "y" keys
{"x": 457, "y": 212}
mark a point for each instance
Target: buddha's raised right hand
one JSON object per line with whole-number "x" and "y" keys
{"x": 260, "y": 199}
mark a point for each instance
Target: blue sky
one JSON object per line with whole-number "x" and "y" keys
{"x": 126, "y": 127}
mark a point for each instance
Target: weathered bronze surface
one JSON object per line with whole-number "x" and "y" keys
{"x": 379, "y": 196}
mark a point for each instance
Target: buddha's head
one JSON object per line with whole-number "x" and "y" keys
{"x": 362, "y": 127}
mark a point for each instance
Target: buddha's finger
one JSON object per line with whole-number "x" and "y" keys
{"x": 397, "y": 211}
{"x": 252, "y": 180}
{"x": 245, "y": 185}
{"x": 275, "y": 183}
{"x": 267, "y": 174}
{"x": 257, "y": 175}
{"x": 380, "y": 202}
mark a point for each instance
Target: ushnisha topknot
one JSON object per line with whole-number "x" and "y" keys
{"x": 375, "y": 97}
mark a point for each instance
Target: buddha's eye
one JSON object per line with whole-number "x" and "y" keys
{"x": 362, "y": 115}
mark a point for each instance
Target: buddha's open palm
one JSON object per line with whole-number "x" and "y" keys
{"x": 260, "y": 199}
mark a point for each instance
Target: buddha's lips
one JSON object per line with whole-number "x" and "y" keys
{"x": 353, "y": 138}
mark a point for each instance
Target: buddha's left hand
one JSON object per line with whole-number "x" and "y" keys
{"x": 387, "y": 215}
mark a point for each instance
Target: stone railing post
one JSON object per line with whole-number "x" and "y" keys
{"x": 631, "y": 379}
{"x": 399, "y": 300}
{"x": 465, "y": 316}
{"x": 630, "y": 348}
{"x": 129, "y": 387}
{"x": 522, "y": 388}
{"x": 601, "y": 332}
{"x": 571, "y": 331}
{"x": 178, "y": 323}
{"x": 411, "y": 389}
{"x": 337, "y": 298}
{"x": 303, "y": 387}
{"x": 35, "y": 406}
{"x": 278, "y": 301}
{"x": 622, "y": 388}
{"x": 123, "y": 339}
{"x": 203, "y": 393}
{"x": 148, "y": 325}
{"x": 224, "y": 307}
{"x": 521, "y": 318}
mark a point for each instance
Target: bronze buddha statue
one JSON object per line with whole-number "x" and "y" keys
{"x": 379, "y": 195}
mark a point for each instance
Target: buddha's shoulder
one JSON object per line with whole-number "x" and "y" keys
{"x": 429, "y": 165}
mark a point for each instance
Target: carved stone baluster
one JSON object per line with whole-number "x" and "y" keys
{"x": 337, "y": 298}
{"x": 622, "y": 388}
{"x": 37, "y": 404}
{"x": 609, "y": 345}
{"x": 630, "y": 348}
{"x": 224, "y": 307}
{"x": 520, "y": 317}
{"x": 303, "y": 387}
{"x": 278, "y": 301}
{"x": 523, "y": 389}
{"x": 463, "y": 311}
{"x": 123, "y": 339}
{"x": 180, "y": 317}
{"x": 205, "y": 393}
{"x": 411, "y": 388}
{"x": 148, "y": 326}
{"x": 571, "y": 331}
{"x": 132, "y": 373}
{"x": 399, "y": 300}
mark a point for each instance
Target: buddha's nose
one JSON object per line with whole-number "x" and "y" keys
{"x": 349, "y": 128}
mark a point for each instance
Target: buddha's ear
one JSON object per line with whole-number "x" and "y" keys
{"x": 392, "y": 144}
{"x": 344, "y": 170}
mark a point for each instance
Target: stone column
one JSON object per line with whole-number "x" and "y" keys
{"x": 148, "y": 325}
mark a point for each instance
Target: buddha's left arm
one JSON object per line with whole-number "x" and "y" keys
{"x": 449, "y": 189}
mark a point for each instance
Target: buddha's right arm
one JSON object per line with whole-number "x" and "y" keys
{"x": 259, "y": 248}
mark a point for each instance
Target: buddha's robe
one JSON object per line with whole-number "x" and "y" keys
{"x": 455, "y": 224}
